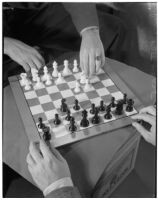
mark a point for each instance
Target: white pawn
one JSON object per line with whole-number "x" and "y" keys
{"x": 23, "y": 77}
{"x": 39, "y": 84}
{"x": 60, "y": 79}
{"x": 66, "y": 70}
{"x": 55, "y": 69}
{"x": 75, "y": 69}
{"x": 48, "y": 80}
{"x": 46, "y": 74}
{"x": 34, "y": 73}
{"x": 87, "y": 85}
{"x": 83, "y": 78}
{"x": 77, "y": 87}
{"x": 27, "y": 85}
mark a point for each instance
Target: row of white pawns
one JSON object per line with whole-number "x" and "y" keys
{"x": 47, "y": 77}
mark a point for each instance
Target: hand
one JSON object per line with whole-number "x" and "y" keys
{"x": 91, "y": 47}
{"x": 148, "y": 114}
{"x": 26, "y": 56}
{"x": 46, "y": 165}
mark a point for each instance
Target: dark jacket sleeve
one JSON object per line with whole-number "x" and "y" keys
{"x": 65, "y": 192}
{"x": 83, "y": 14}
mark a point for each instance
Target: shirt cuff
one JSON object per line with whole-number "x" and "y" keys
{"x": 63, "y": 182}
{"x": 89, "y": 28}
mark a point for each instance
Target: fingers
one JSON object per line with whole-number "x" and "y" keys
{"x": 147, "y": 118}
{"x": 150, "y": 109}
{"x": 35, "y": 152}
{"x": 98, "y": 62}
{"x": 92, "y": 68}
{"x": 141, "y": 130}
{"x": 85, "y": 63}
{"x": 81, "y": 62}
{"x": 102, "y": 59}
{"x": 25, "y": 66}
{"x": 30, "y": 160}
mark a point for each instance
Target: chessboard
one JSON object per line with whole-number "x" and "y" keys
{"x": 50, "y": 108}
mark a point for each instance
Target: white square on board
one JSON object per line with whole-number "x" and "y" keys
{"x": 77, "y": 75}
{"x": 102, "y": 91}
{"x": 96, "y": 101}
{"x": 57, "y": 103}
{"x": 30, "y": 95}
{"x": 50, "y": 114}
{"x": 81, "y": 97}
{"x": 118, "y": 95}
{"x": 52, "y": 89}
{"x": 66, "y": 93}
{"x": 44, "y": 99}
{"x": 108, "y": 82}
{"x": 36, "y": 109}
{"x": 72, "y": 84}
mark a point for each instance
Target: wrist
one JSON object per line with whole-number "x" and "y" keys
{"x": 89, "y": 30}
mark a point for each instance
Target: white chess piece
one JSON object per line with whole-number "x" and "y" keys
{"x": 46, "y": 74}
{"x": 66, "y": 70}
{"x": 75, "y": 69}
{"x": 39, "y": 84}
{"x": 48, "y": 80}
{"x": 83, "y": 78}
{"x": 55, "y": 69}
{"x": 34, "y": 73}
{"x": 87, "y": 85}
{"x": 77, "y": 87}
{"x": 27, "y": 85}
{"x": 23, "y": 78}
{"x": 60, "y": 79}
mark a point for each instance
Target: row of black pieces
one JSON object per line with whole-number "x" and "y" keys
{"x": 45, "y": 130}
{"x": 64, "y": 106}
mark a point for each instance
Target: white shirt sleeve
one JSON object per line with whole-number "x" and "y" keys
{"x": 89, "y": 28}
{"x": 64, "y": 182}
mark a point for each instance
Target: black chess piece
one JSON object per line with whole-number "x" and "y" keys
{"x": 102, "y": 107}
{"x": 108, "y": 113}
{"x": 113, "y": 104}
{"x": 63, "y": 107}
{"x": 57, "y": 121}
{"x": 84, "y": 122}
{"x": 119, "y": 108}
{"x": 68, "y": 117}
{"x": 41, "y": 125}
{"x": 124, "y": 98}
{"x": 96, "y": 118}
{"x": 46, "y": 134}
{"x": 92, "y": 110}
{"x": 72, "y": 126}
{"x": 76, "y": 106}
{"x": 130, "y": 103}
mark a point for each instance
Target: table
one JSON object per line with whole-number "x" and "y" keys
{"x": 85, "y": 169}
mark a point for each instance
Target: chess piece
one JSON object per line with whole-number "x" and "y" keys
{"x": 72, "y": 126}
{"x": 112, "y": 104}
{"x": 77, "y": 87}
{"x": 92, "y": 110}
{"x": 75, "y": 69}
{"x": 46, "y": 134}
{"x": 39, "y": 84}
{"x": 63, "y": 107}
{"x": 124, "y": 98}
{"x": 48, "y": 80}
{"x": 60, "y": 79}
{"x": 76, "y": 106}
{"x": 34, "y": 73}
{"x": 57, "y": 121}
{"x": 101, "y": 107}
{"x": 96, "y": 118}
{"x": 41, "y": 125}
{"x": 119, "y": 108}
{"x": 46, "y": 76}
{"x": 66, "y": 70}
{"x": 108, "y": 113}
{"x": 84, "y": 122}
{"x": 24, "y": 79}
{"x": 130, "y": 104}
{"x": 68, "y": 117}
{"x": 83, "y": 78}
{"x": 55, "y": 70}
{"x": 87, "y": 85}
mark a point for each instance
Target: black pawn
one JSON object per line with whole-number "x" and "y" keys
{"x": 84, "y": 121}
{"x": 76, "y": 106}
{"x": 108, "y": 113}
{"x": 124, "y": 98}
{"x": 92, "y": 110}
{"x": 102, "y": 107}
{"x": 63, "y": 107}
{"x": 112, "y": 104}
{"x": 57, "y": 120}
{"x": 119, "y": 108}
{"x": 72, "y": 127}
{"x": 68, "y": 117}
{"x": 40, "y": 125}
{"x": 130, "y": 104}
{"x": 46, "y": 134}
{"x": 96, "y": 118}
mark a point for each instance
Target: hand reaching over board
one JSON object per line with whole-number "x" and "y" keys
{"x": 91, "y": 52}
{"x": 148, "y": 115}
{"x": 25, "y": 55}
{"x": 46, "y": 164}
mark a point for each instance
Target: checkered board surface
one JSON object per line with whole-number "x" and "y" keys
{"x": 45, "y": 102}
